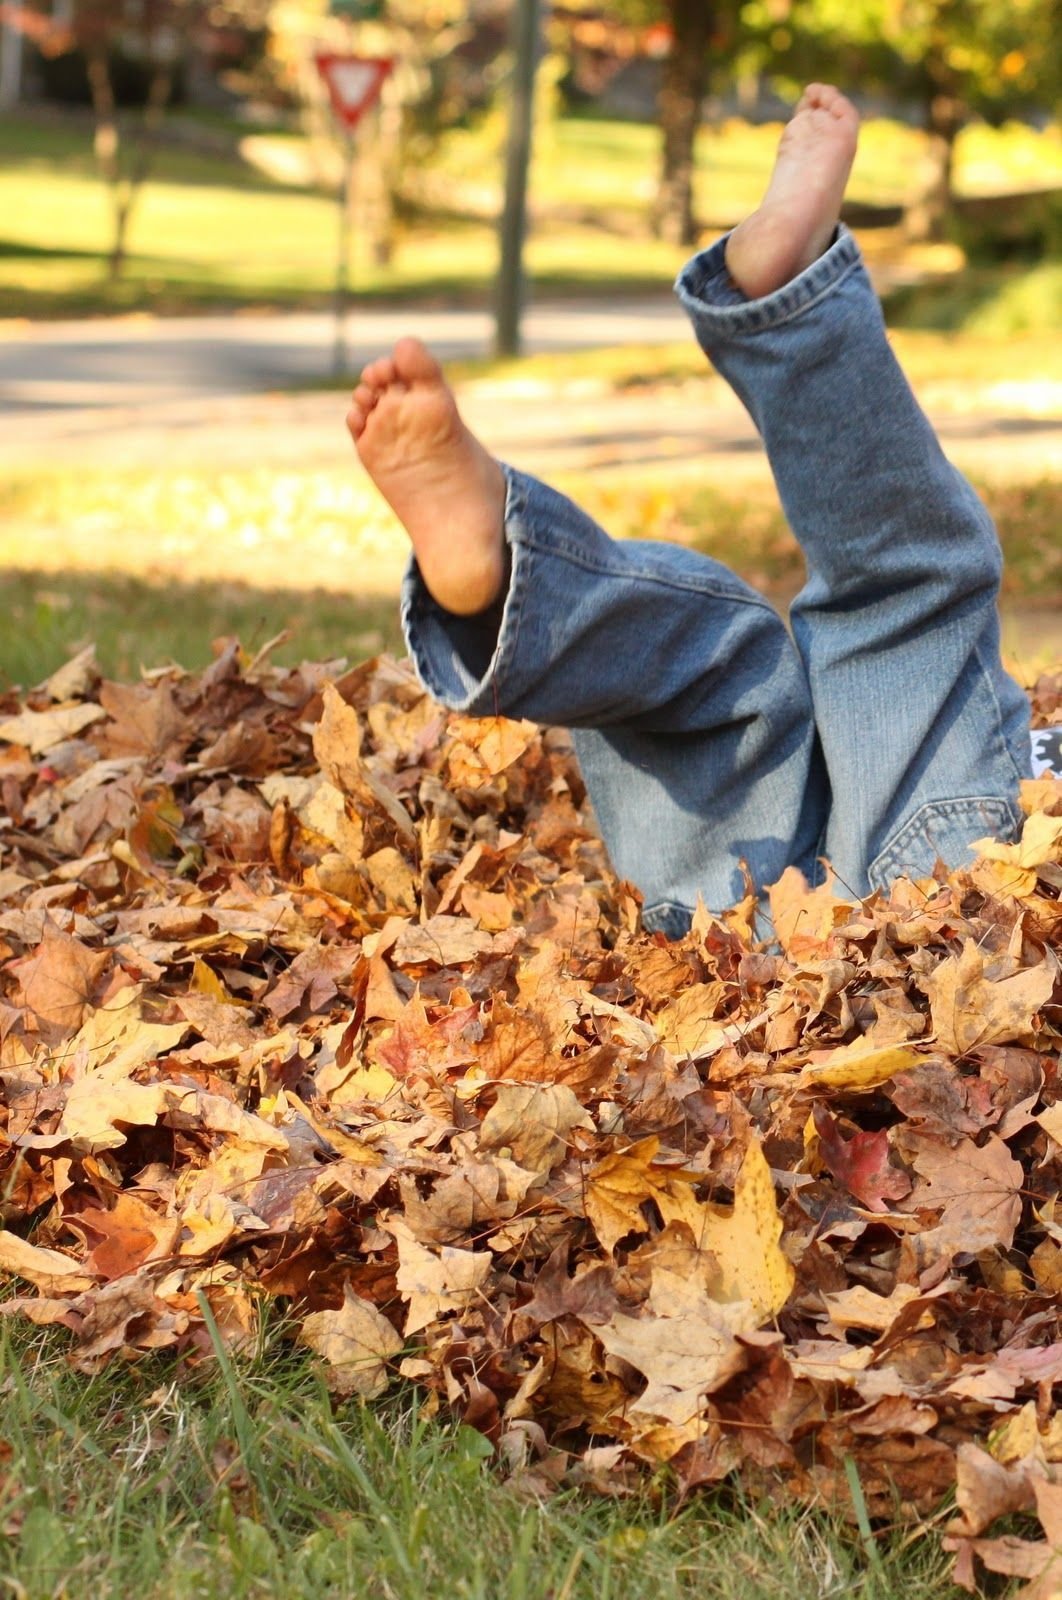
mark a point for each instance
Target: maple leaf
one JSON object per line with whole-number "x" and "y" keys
{"x": 969, "y": 1009}
{"x": 805, "y": 918}
{"x": 435, "y": 1283}
{"x": 357, "y": 1342}
{"x": 975, "y": 1188}
{"x": 42, "y": 730}
{"x": 58, "y": 980}
{"x": 685, "y": 1351}
{"x": 94, "y": 1109}
{"x": 860, "y": 1163}
{"x": 535, "y": 1122}
{"x": 745, "y": 1241}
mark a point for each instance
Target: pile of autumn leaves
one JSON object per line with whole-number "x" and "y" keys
{"x": 311, "y": 991}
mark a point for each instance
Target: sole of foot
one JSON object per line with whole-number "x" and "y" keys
{"x": 798, "y": 216}
{"x": 446, "y": 489}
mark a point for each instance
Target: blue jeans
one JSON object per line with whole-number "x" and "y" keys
{"x": 882, "y": 733}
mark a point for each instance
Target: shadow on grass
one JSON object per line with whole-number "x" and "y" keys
{"x": 18, "y": 250}
{"x": 49, "y": 616}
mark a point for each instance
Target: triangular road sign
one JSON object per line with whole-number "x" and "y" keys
{"x": 353, "y": 83}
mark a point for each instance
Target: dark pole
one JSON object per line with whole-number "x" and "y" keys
{"x": 525, "y": 35}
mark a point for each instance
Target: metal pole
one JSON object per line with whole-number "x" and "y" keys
{"x": 11, "y": 58}
{"x": 346, "y": 208}
{"x": 525, "y": 41}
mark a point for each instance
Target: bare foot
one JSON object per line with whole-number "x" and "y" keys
{"x": 798, "y": 215}
{"x": 445, "y": 488}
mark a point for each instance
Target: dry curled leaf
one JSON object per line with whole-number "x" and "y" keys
{"x": 311, "y": 990}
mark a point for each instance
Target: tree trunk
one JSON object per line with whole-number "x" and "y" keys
{"x": 681, "y": 98}
{"x": 107, "y": 143}
{"x": 928, "y": 217}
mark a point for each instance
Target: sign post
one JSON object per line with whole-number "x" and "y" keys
{"x": 354, "y": 84}
{"x": 525, "y": 45}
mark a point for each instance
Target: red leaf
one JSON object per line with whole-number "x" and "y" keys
{"x": 860, "y": 1163}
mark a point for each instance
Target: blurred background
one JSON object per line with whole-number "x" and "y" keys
{"x": 197, "y": 256}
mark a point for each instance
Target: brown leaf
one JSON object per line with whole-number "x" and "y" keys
{"x": 357, "y": 1342}
{"x": 48, "y": 1270}
{"x": 435, "y": 1283}
{"x": 58, "y": 980}
{"x": 975, "y": 1188}
{"x": 535, "y": 1122}
{"x": 969, "y": 1010}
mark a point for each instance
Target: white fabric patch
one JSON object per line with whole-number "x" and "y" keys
{"x": 1047, "y": 752}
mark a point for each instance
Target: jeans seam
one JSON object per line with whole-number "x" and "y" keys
{"x": 998, "y": 730}
{"x": 578, "y": 558}
{"x": 885, "y": 864}
{"x": 519, "y": 581}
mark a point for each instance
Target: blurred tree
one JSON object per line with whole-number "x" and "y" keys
{"x": 155, "y": 34}
{"x": 690, "y": 35}
{"x": 954, "y": 58}
{"x": 419, "y": 98}
{"x": 680, "y": 105}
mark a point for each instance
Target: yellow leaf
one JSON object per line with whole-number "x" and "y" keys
{"x": 745, "y": 1241}
{"x": 40, "y": 730}
{"x": 51, "y": 1272}
{"x": 616, "y": 1189}
{"x": 115, "y": 1040}
{"x": 857, "y": 1065}
{"x": 969, "y": 1010}
{"x": 684, "y": 1356}
{"x": 805, "y": 918}
{"x": 94, "y": 1108}
{"x": 686, "y": 1024}
{"x": 1040, "y": 843}
{"x": 357, "y": 1342}
{"x": 534, "y": 1121}
{"x": 392, "y": 879}
{"x": 435, "y": 1283}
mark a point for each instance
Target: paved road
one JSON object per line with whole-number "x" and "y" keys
{"x": 142, "y": 360}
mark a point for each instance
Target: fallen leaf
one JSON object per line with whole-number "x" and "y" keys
{"x": 357, "y": 1343}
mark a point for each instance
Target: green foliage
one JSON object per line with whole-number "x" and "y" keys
{"x": 137, "y": 1485}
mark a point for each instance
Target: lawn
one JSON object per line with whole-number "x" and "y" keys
{"x": 167, "y": 1482}
{"x": 215, "y": 230}
{"x": 88, "y": 577}
{"x": 194, "y": 1482}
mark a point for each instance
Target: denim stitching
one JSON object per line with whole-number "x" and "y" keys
{"x": 887, "y": 862}
{"x": 758, "y": 316}
{"x": 1003, "y": 742}
{"x": 556, "y": 546}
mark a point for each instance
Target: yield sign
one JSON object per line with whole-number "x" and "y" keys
{"x": 353, "y": 82}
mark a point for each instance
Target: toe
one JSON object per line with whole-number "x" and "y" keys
{"x": 356, "y": 420}
{"x": 378, "y": 374}
{"x": 414, "y": 362}
{"x": 365, "y": 396}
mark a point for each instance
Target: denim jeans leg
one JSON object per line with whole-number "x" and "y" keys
{"x": 924, "y": 735}
{"x": 687, "y": 700}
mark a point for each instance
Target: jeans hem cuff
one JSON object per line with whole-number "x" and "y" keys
{"x": 720, "y": 311}
{"x": 429, "y": 630}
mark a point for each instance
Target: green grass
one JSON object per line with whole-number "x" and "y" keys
{"x": 135, "y": 622}
{"x": 102, "y": 590}
{"x": 164, "y": 1482}
{"x": 214, "y": 230}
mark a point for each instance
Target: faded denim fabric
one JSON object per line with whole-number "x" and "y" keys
{"x": 883, "y": 734}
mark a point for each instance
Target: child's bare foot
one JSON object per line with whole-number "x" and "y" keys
{"x": 798, "y": 215}
{"x": 446, "y": 489}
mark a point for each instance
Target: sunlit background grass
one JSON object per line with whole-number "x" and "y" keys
{"x": 211, "y": 230}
